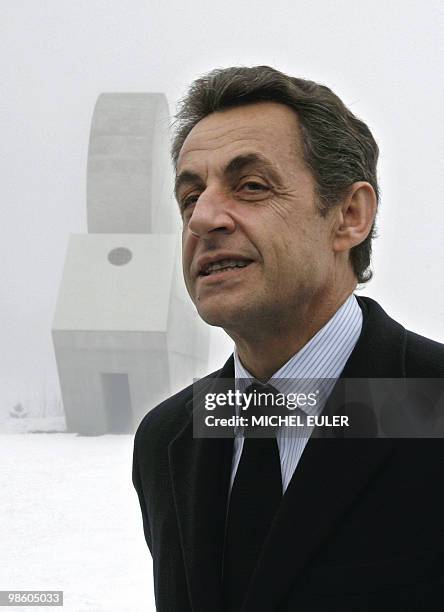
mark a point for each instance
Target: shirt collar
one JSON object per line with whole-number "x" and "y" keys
{"x": 323, "y": 356}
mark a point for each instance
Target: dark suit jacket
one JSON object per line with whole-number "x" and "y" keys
{"x": 360, "y": 527}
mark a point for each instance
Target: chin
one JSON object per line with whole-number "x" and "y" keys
{"x": 213, "y": 316}
{"x": 216, "y": 311}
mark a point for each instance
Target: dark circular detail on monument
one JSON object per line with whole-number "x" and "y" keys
{"x": 120, "y": 256}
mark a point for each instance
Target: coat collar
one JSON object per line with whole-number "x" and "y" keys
{"x": 330, "y": 474}
{"x": 200, "y": 472}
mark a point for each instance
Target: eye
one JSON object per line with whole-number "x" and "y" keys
{"x": 188, "y": 201}
{"x": 253, "y": 188}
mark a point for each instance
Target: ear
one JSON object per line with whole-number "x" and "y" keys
{"x": 355, "y": 217}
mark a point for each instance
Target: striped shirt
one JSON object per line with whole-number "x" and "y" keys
{"x": 323, "y": 357}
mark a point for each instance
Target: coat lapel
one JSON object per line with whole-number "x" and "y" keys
{"x": 330, "y": 475}
{"x": 200, "y": 471}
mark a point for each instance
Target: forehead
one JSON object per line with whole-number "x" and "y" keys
{"x": 268, "y": 128}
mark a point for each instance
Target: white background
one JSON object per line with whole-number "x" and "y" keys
{"x": 383, "y": 58}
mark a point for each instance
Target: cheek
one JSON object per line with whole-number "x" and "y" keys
{"x": 189, "y": 243}
{"x": 187, "y": 249}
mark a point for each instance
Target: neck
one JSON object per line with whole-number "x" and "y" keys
{"x": 263, "y": 351}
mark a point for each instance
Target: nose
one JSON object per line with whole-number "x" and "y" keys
{"x": 211, "y": 213}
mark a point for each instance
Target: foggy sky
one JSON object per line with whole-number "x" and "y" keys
{"x": 57, "y": 56}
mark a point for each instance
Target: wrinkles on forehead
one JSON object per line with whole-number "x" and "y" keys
{"x": 219, "y": 139}
{"x": 259, "y": 121}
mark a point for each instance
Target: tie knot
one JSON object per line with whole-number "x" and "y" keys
{"x": 260, "y": 403}
{"x": 259, "y": 387}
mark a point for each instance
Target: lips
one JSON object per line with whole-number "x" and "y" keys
{"x": 222, "y": 266}
{"x": 222, "y": 262}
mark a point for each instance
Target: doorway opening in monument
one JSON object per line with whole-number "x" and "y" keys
{"x": 117, "y": 402}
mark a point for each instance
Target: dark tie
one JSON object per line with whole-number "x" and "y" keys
{"x": 255, "y": 496}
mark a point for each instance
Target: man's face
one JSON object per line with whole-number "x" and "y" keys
{"x": 255, "y": 248}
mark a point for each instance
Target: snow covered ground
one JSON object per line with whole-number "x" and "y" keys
{"x": 70, "y": 520}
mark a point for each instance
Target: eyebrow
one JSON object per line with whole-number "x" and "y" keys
{"x": 233, "y": 167}
{"x": 187, "y": 177}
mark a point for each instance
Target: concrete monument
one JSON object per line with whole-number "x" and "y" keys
{"x": 125, "y": 333}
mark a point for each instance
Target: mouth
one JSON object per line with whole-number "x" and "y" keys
{"x": 223, "y": 267}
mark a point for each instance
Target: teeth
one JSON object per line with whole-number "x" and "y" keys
{"x": 225, "y": 264}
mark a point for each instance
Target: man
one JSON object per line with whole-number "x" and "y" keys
{"x": 276, "y": 184}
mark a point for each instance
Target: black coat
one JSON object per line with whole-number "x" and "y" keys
{"x": 360, "y": 527}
